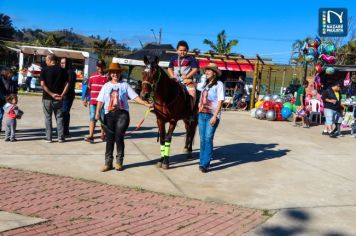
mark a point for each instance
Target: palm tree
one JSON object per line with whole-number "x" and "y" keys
{"x": 221, "y": 46}
{"x": 297, "y": 55}
{"x": 102, "y": 47}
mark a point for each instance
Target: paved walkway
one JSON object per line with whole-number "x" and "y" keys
{"x": 77, "y": 207}
{"x": 305, "y": 177}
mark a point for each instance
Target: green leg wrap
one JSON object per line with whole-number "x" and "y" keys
{"x": 162, "y": 150}
{"x": 167, "y": 149}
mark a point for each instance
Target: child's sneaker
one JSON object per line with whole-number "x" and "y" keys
{"x": 7, "y": 140}
{"x": 325, "y": 132}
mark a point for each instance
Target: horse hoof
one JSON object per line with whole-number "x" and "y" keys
{"x": 159, "y": 163}
{"x": 185, "y": 150}
{"x": 165, "y": 163}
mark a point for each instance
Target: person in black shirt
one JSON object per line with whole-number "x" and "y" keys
{"x": 54, "y": 81}
{"x": 332, "y": 109}
{"x": 66, "y": 64}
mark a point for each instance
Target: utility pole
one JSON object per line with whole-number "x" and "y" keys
{"x": 160, "y": 36}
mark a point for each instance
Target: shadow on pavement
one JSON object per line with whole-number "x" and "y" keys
{"x": 299, "y": 220}
{"x": 241, "y": 153}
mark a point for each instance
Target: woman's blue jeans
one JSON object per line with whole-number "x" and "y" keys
{"x": 206, "y": 132}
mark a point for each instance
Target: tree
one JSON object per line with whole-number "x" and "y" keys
{"x": 297, "y": 56}
{"x": 103, "y": 47}
{"x": 7, "y": 31}
{"x": 54, "y": 41}
{"x": 347, "y": 53}
{"x": 221, "y": 46}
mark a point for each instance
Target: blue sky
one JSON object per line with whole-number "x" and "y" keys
{"x": 265, "y": 27}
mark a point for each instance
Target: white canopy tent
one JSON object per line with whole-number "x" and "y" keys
{"x": 89, "y": 58}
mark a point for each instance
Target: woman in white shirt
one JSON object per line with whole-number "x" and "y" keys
{"x": 114, "y": 97}
{"x": 211, "y": 100}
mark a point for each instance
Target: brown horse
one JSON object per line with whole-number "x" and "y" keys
{"x": 171, "y": 103}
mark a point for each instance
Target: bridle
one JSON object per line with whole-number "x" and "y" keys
{"x": 153, "y": 84}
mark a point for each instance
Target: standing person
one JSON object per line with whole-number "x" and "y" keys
{"x": 54, "y": 82}
{"x": 95, "y": 83}
{"x": 12, "y": 112}
{"x": 113, "y": 97}
{"x": 300, "y": 104}
{"x": 183, "y": 68}
{"x": 68, "y": 99}
{"x": 7, "y": 87}
{"x": 239, "y": 91}
{"x": 211, "y": 100}
{"x": 29, "y": 78}
{"x": 332, "y": 108}
{"x": 353, "y": 126}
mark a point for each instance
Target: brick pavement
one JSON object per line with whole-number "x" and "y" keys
{"x": 77, "y": 207}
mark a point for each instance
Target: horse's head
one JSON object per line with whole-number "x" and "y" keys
{"x": 150, "y": 76}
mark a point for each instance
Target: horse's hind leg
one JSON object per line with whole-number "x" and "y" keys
{"x": 162, "y": 134}
{"x": 190, "y": 132}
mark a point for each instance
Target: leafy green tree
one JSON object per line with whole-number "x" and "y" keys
{"x": 7, "y": 31}
{"x": 103, "y": 47}
{"x": 221, "y": 46}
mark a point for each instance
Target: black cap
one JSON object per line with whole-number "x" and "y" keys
{"x": 101, "y": 63}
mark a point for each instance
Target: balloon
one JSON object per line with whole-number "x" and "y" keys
{"x": 267, "y": 105}
{"x": 279, "y": 117}
{"x": 311, "y": 42}
{"x": 330, "y": 49}
{"x": 289, "y": 105}
{"x": 267, "y": 98}
{"x": 260, "y": 113}
{"x": 277, "y": 106}
{"x": 328, "y": 59}
{"x": 317, "y": 41}
{"x": 258, "y": 104}
{"x": 286, "y": 112}
{"x": 309, "y": 58}
{"x": 274, "y": 97}
{"x": 319, "y": 68}
{"x": 271, "y": 115}
{"x": 287, "y": 98}
{"x": 329, "y": 70}
{"x": 279, "y": 100}
{"x": 321, "y": 48}
{"x": 312, "y": 51}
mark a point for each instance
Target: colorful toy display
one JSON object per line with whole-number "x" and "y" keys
{"x": 321, "y": 52}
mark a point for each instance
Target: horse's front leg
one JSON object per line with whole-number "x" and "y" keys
{"x": 167, "y": 144}
{"x": 162, "y": 135}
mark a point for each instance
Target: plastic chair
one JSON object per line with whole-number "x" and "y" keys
{"x": 315, "y": 113}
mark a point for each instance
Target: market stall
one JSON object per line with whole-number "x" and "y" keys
{"x": 84, "y": 62}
